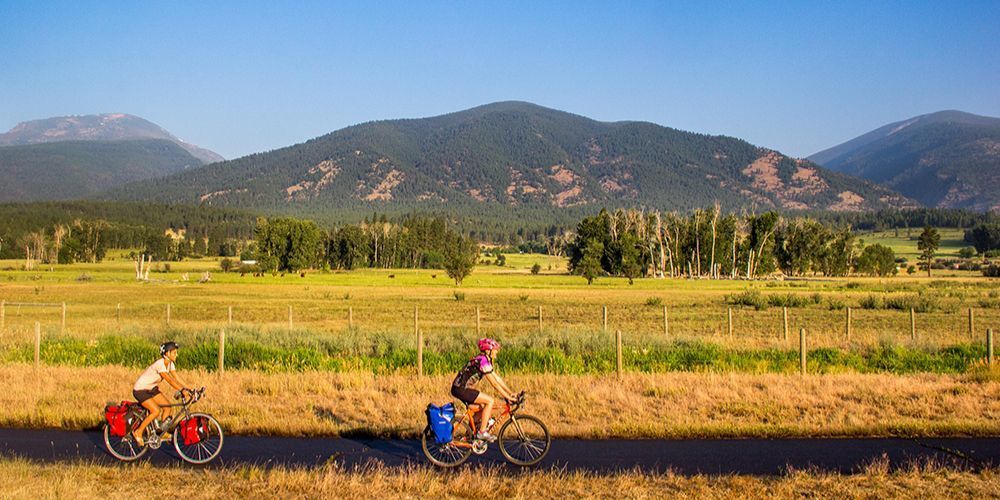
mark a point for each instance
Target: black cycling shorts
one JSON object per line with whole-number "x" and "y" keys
{"x": 466, "y": 395}
{"x": 142, "y": 396}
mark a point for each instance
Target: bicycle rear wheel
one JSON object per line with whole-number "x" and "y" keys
{"x": 205, "y": 450}
{"x": 524, "y": 440}
{"x": 123, "y": 448}
{"x": 450, "y": 454}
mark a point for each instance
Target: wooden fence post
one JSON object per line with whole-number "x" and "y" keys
{"x": 666, "y": 324}
{"x": 118, "y": 315}
{"x": 222, "y": 351}
{"x": 168, "y": 314}
{"x": 802, "y": 351}
{"x": 605, "y": 328}
{"x": 847, "y": 327}
{"x": 972, "y": 324}
{"x": 350, "y": 317}
{"x": 913, "y": 325}
{"x": 290, "y": 325}
{"x": 989, "y": 347}
{"x": 618, "y": 351}
{"x": 62, "y": 326}
{"x": 784, "y": 320}
{"x": 420, "y": 341}
{"x": 539, "y": 319}
{"x": 3, "y": 314}
{"x": 230, "y": 315}
{"x": 730, "y": 322}
{"x": 479, "y": 324}
{"x": 38, "y": 344}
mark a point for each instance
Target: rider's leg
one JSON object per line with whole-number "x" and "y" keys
{"x": 165, "y": 409}
{"x": 486, "y": 401}
{"x": 154, "y": 411}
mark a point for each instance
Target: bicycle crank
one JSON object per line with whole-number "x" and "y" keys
{"x": 479, "y": 446}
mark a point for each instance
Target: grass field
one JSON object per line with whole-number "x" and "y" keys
{"x": 673, "y": 405}
{"x": 952, "y": 240}
{"x": 23, "y": 479}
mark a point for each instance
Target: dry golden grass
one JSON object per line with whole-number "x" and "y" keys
{"x": 21, "y": 479}
{"x": 640, "y": 406}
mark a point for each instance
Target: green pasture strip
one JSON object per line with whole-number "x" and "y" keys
{"x": 555, "y": 353}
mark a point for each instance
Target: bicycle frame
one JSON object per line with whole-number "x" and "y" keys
{"x": 184, "y": 412}
{"x": 506, "y": 412}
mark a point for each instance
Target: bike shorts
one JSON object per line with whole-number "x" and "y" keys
{"x": 142, "y": 396}
{"x": 466, "y": 395}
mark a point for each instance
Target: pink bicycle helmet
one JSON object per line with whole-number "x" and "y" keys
{"x": 488, "y": 345}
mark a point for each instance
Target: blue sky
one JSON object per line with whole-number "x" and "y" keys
{"x": 242, "y": 77}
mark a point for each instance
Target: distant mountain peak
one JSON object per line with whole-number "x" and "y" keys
{"x": 100, "y": 127}
{"x": 946, "y": 159}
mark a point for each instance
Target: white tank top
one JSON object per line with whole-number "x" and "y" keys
{"x": 151, "y": 377}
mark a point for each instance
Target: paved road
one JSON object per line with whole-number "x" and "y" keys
{"x": 684, "y": 456}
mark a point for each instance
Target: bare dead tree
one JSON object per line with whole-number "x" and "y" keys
{"x": 715, "y": 221}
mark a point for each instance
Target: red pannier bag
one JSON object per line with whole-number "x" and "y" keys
{"x": 115, "y": 416}
{"x": 194, "y": 430}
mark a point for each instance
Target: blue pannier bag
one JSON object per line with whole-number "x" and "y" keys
{"x": 439, "y": 420}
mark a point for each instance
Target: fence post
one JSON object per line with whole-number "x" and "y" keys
{"x": 730, "y": 322}
{"x": 350, "y": 317}
{"x": 230, "y": 315}
{"x": 118, "y": 315}
{"x": 38, "y": 344}
{"x": 972, "y": 324}
{"x": 848, "y": 326}
{"x": 62, "y": 326}
{"x": 989, "y": 347}
{"x": 539, "y": 319}
{"x": 666, "y": 324}
{"x": 290, "y": 325}
{"x": 605, "y": 318}
{"x": 802, "y": 351}
{"x": 479, "y": 325}
{"x": 222, "y": 351}
{"x": 420, "y": 341}
{"x": 3, "y": 314}
{"x": 913, "y": 325}
{"x": 784, "y": 320}
{"x": 168, "y": 314}
{"x": 618, "y": 351}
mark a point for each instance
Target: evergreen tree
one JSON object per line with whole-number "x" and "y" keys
{"x": 928, "y": 244}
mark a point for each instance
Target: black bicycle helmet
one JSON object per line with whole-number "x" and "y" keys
{"x": 167, "y": 347}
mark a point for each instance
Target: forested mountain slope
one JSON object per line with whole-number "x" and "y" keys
{"x": 947, "y": 159}
{"x": 513, "y": 154}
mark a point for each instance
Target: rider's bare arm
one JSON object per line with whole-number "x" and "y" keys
{"x": 498, "y": 384}
{"x": 171, "y": 378}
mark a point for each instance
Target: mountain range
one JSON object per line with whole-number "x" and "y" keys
{"x": 947, "y": 159}
{"x": 513, "y": 154}
{"x": 79, "y": 156}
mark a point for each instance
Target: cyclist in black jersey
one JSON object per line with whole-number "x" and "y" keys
{"x": 476, "y": 369}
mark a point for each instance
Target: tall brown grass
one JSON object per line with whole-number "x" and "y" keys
{"x": 22, "y": 479}
{"x": 638, "y": 406}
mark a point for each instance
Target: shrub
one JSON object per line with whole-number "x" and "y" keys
{"x": 654, "y": 301}
{"x": 967, "y": 253}
{"x": 459, "y": 296}
{"x": 991, "y": 271}
{"x": 787, "y": 300}
{"x": 226, "y": 265}
{"x": 535, "y": 269}
{"x": 871, "y": 301}
{"x": 751, "y": 298}
{"x": 85, "y": 277}
{"x": 523, "y": 297}
{"x": 836, "y": 304}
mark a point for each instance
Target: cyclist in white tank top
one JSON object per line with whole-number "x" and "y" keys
{"x": 146, "y": 389}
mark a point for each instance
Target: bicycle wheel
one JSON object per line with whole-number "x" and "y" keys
{"x": 524, "y": 440}
{"x": 205, "y": 450}
{"x": 449, "y": 454}
{"x": 123, "y": 448}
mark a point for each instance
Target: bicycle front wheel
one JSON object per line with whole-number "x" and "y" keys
{"x": 205, "y": 450}
{"x": 123, "y": 448}
{"x": 524, "y": 440}
{"x": 450, "y": 454}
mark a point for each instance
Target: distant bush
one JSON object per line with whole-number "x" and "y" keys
{"x": 991, "y": 271}
{"x": 750, "y": 298}
{"x": 967, "y": 253}
{"x": 535, "y": 269}
{"x": 459, "y": 296}
{"x": 85, "y": 277}
{"x": 787, "y": 300}
{"x": 226, "y": 265}
{"x": 523, "y": 297}
{"x": 654, "y": 301}
{"x": 836, "y": 304}
{"x": 871, "y": 301}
